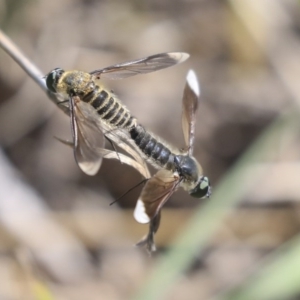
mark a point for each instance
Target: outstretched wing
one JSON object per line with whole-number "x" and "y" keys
{"x": 141, "y": 66}
{"x": 156, "y": 192}
{"x": 189, "y": 106}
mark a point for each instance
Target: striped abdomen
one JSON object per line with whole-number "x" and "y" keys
{"x": 154, "y": 150}
{"x": 109, "y": 108}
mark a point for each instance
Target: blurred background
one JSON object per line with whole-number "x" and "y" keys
{"x": 59, "y": 237}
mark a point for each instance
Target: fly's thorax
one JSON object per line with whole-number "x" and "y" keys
{"x": 193, "y": 181}
{"x": 188, "y": 168}
{"x": 77, "y": 83}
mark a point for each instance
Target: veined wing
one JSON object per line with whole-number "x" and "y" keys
{"x": 156, "y": 192}
{"x": 120, "y": 137}
{"x": 109, "y": 154}
{"x": 86, "y": 138}
{"x": 189, "y": 106}
{"x": 141, "y": 66}
{"x": 91, "y": 131}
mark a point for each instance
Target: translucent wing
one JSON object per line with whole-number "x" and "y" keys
{"x": 156, "y": 192}
{"x": 189, "y": 106}
{"x": 121, "y": 138}
{"x": 140, "y": 66}
{"x": 108, "y": 154}
{"x": 86, "y": 138}
{"x": 89, "y": 150}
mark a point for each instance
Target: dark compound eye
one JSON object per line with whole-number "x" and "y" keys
{"x": 52, "y": 79}
{"x": 202, "y": 189}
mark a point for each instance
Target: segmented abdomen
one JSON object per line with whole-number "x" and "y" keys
{"x": 109, "y": 108}
{"x": 153, "y": 149}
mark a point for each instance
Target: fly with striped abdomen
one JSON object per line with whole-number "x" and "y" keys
{"x": 97, "y": 113}
{"x": 176, "y": 168}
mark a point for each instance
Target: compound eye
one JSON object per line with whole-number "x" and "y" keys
{"x": 52, "y": 79}
{"x": 202, "y": 189}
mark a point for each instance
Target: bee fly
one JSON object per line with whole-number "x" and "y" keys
{"x": 177, "y": 168}
{"x": 97, "y": 114}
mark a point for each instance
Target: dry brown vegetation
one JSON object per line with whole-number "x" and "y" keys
{"x": 58, "y": 233}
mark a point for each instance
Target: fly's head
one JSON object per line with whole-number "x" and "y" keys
{"x": 52, "y": 79}
{"x": 190, "y": 171}
{"x": 202, "y": 188}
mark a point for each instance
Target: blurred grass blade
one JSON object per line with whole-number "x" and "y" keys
{"x": 38, "y": 287}
{"x": 41, "y": 291}
{"x": 278, "y": 279}
{"x": 208, "y": 217}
